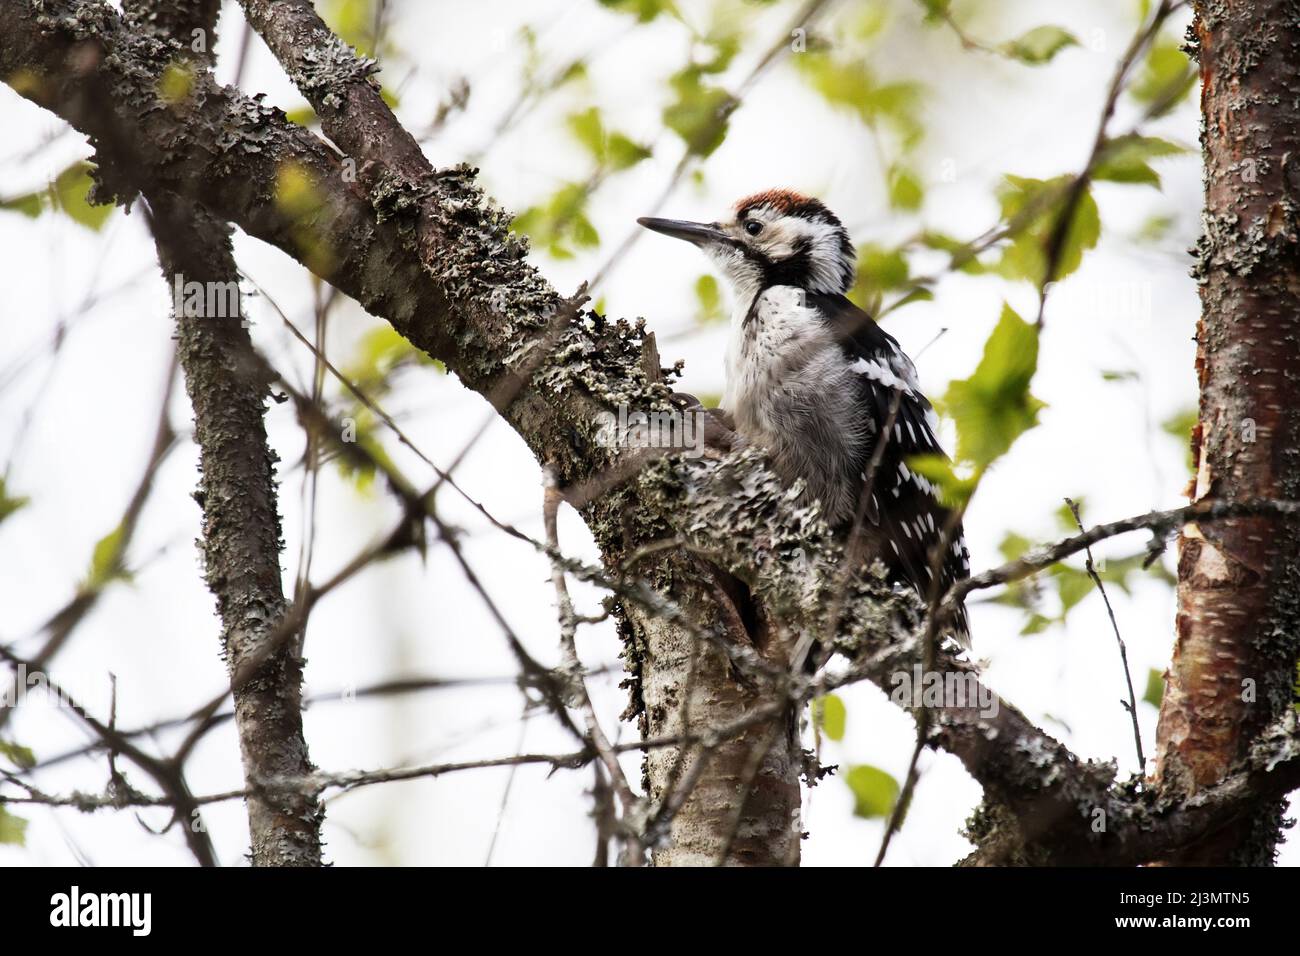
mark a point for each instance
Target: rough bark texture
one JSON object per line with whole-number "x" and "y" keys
{"x": 241, "y": 538}
{"x": 1238, "y": 632}
{"x": 728, "y": 816}
{"x": 237, "y": 492}
{"x": 427, "y": 251}
{"x": 744, "y": 808}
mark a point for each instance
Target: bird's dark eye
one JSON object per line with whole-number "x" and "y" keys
{"x": 753, "y": 227}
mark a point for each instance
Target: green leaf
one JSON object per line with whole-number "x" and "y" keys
{"x": 19, "y": 755}
{"x": 874, "y": 791}
{"x": 13, "y": 829}
{"x": 1164, "y": 79}
{"x": 935, "y": 10}
{"x": 589, "y": 130}
{"x": 607, "y": 149}
{"x": 905, "y": 190}
{"x": 1120, "y": 571}
{"x": 709, "y": 298}
{"x": 1036, "y": 624}
{"x": 955, "y": 489}
{"x": 1126, "y": 159}
{"x": 1013, "y": 546}
{"x": 1180, "y": 425}
{"x": 1156, "y": 227}
{"x": 700, "y": 113}
{"x": 1065, "y": 517}
{"x": 880, "y": 269}
{"x": 725, "y": 43}
{"x": 10, "y": 503}
{"x": 1039, "y": 45}
{"x": 303, "y": 116}
{"x": 643, "y": 10}
{"x": 560, "y": 223}
{"x": 176, "y": 82}
{"x": 917, "y": 294}
{"x": 71, "y": 194}
{"x": 624, "y": 153}
{"x": 1155, "y": 692}
{"x": 829, "y": 714}
{"x": 851, "y": 84}
{"x": 994, "y": 406}
{"x": 30, "y": 205}
{"x": 353, "y": 21}
{"x": 1181, "y": 422}
{"x": 1072, "y": 586}
{"x": 1036, "y": 205}
{"x": 867, "y": 21}
{"x": 362, "y": 469}
{"x": 380, "y": 352}
{"x": 106, "y": 560}
{"x": 958, "y": 250}
{"x": 584, "y": 233}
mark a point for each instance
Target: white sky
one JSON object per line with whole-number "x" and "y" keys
{"x": 92, "y": 415}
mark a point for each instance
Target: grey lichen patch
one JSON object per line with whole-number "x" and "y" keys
{"x": 328, "y": 64}
{"x": 398, "y": 201}
{"x": 1259, "y": 246}
{"x": 134, "y": 66}
{"x": 82, "y": 20}
{"x": 602, "y": 358}
{"x": 1090, "y": 813}
{"x": 1255, "y": 47}
{"x": 247, "y": 125}
{"x": 486, "y": 257}
{"x": 740, "y": 513}
{"x": 464, "y": 243}
{"x": 742, "y": 494}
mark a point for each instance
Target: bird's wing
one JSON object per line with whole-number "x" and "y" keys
{"x": 904, "y": 505}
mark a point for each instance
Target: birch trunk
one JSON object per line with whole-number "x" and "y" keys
{"x": 1238, "y": 626}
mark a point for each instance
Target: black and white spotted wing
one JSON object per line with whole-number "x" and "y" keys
{"x": 904, "y": 505}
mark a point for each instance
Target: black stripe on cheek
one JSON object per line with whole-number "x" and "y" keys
{"x": 795, "y": 269}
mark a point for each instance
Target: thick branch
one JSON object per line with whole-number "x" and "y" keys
{"x": 241, "y": 521}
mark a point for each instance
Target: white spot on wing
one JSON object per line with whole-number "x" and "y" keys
{"x": 879, "y": 373}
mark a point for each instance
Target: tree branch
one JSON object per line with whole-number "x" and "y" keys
{"x": 237, "y": 491}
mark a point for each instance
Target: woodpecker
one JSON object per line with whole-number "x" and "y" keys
{"x": 812, "y": 379}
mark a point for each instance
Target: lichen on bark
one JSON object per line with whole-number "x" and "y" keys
{"x": 1238, "y": 625}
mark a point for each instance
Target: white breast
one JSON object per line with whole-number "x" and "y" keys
{"x": 792, "y": 391}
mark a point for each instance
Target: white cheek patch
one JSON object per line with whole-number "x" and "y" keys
{"x": 777, "y": 241}
{"x": 722, "y": 256}
{"x": 830, "y": 271}
{"x": 742, "y": 272}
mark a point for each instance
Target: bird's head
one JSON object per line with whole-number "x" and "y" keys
{"x": 776, "y": 237}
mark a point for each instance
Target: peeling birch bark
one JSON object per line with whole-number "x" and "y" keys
{"x": 1238, "y": 625}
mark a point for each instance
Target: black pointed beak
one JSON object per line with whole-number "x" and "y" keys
{"x": 696, "y": 233}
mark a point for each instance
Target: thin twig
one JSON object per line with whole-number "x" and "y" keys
{"x": 633, "y": 851}
{"x": 1131, "y": 704}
